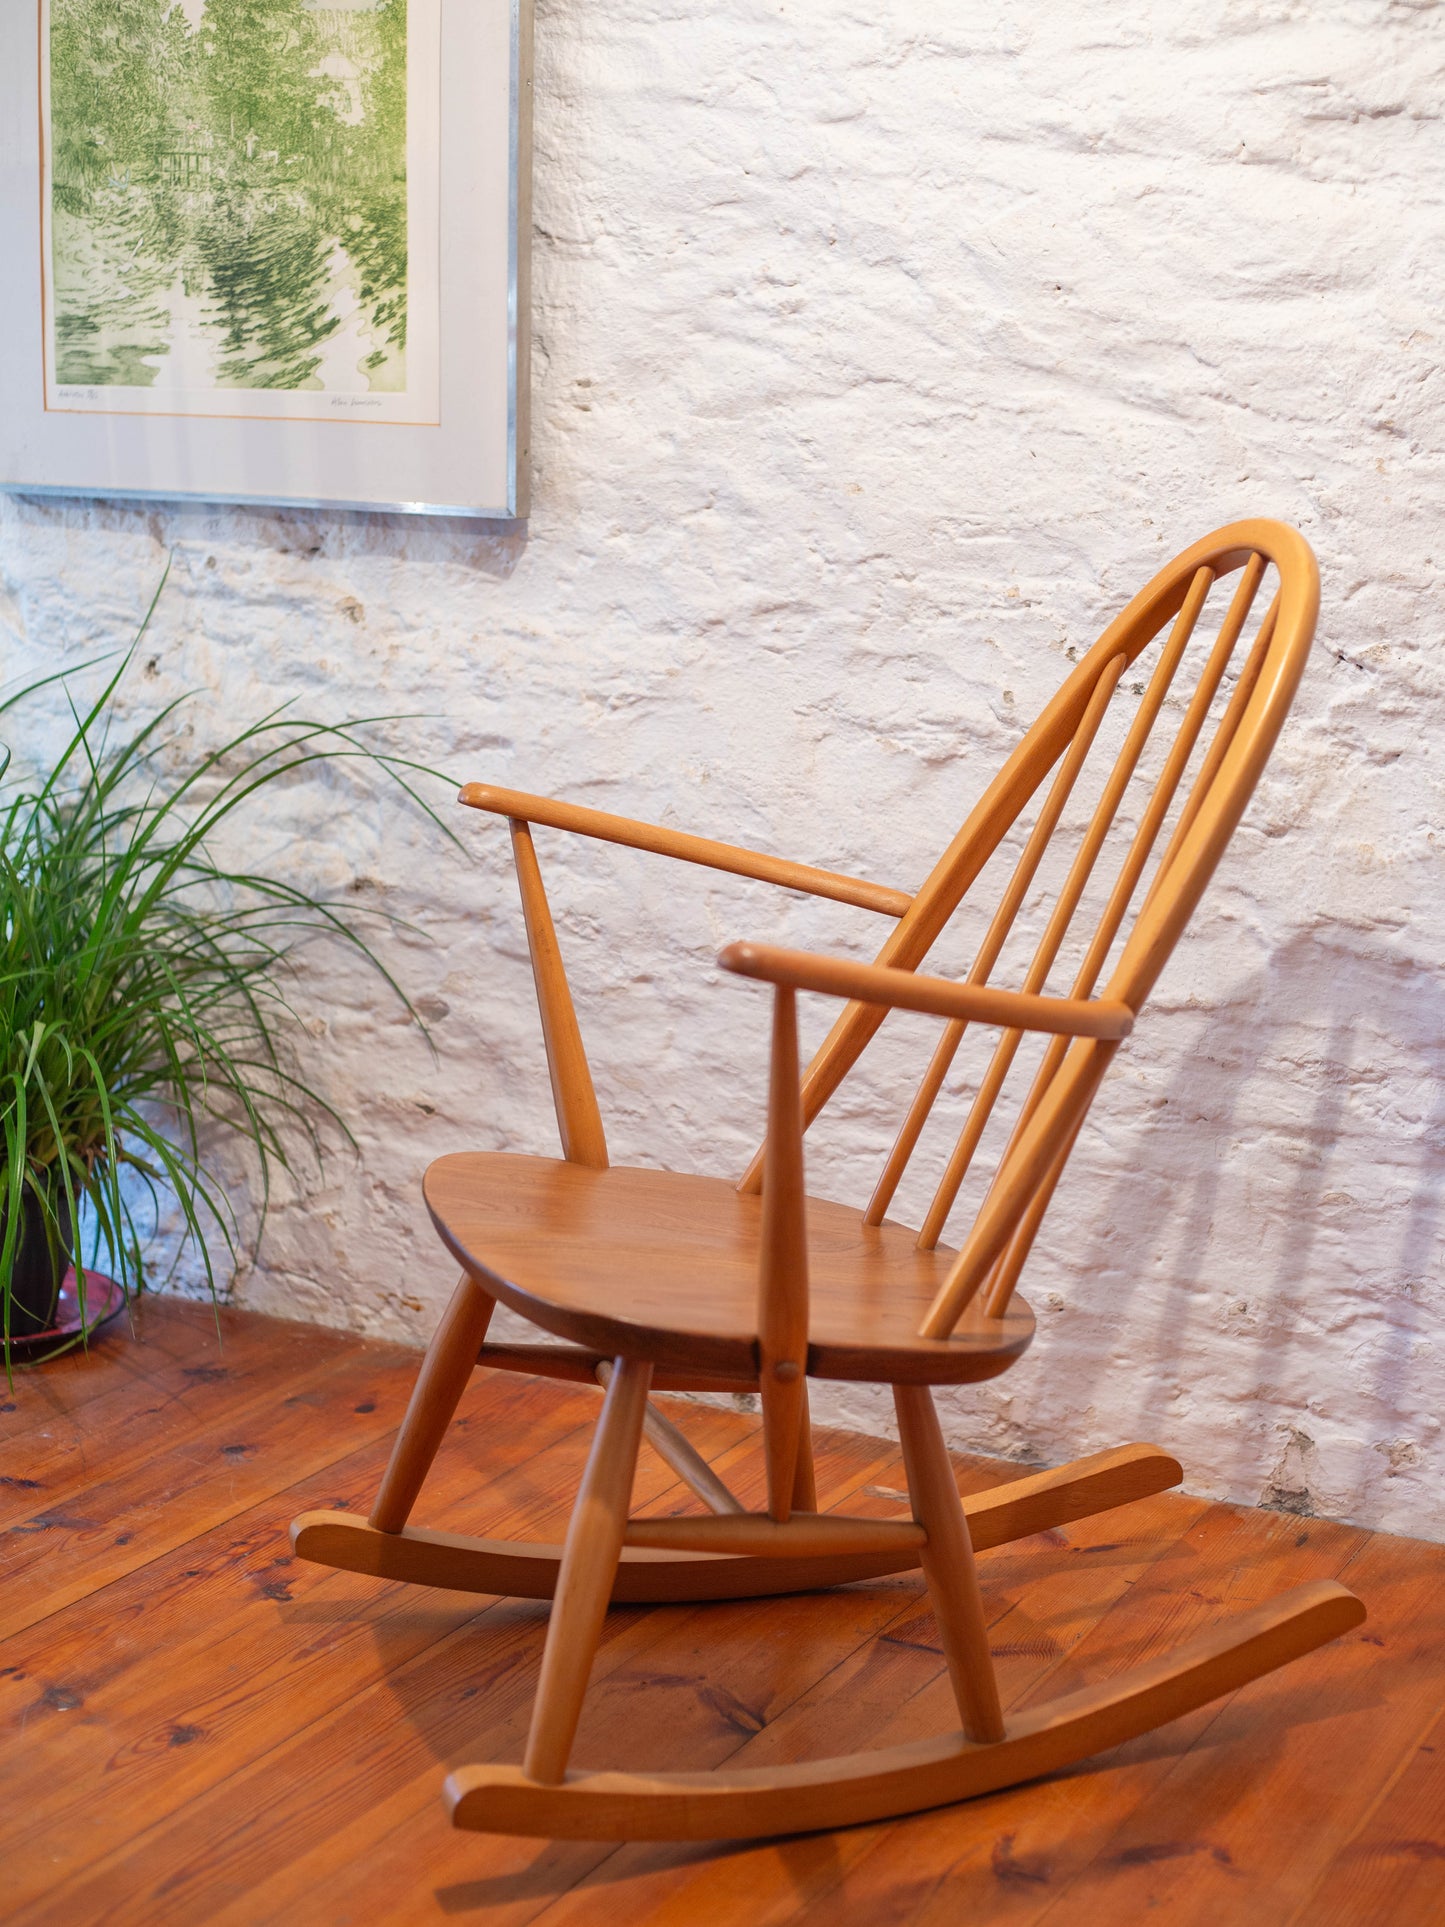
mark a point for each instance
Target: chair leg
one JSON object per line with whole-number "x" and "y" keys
{"x": 805, "y": 1485}
{"x": 948, "y": 1563}
{"x": 446, "y": 1371}
{"x": 589, "y": 1568}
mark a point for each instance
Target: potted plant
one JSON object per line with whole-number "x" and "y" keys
{"x": 142, "y": 986}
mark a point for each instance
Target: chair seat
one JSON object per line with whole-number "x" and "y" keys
{"x": 664, "y": 1266}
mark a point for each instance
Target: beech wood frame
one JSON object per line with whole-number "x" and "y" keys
{"x": 730, "y": 1552}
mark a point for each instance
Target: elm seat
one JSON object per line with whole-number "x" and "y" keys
{"x": 664, "y": 1266}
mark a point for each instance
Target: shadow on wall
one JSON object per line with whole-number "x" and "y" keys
{"x": 487, "y": 548}
{"x": 1292, "y": 1273}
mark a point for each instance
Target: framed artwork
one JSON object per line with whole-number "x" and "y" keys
{"x": 267, "y": 251}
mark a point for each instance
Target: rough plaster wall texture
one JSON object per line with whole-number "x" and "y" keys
{"x": 879, "y": 357}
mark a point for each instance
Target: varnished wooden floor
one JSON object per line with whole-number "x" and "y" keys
{"x": 195, "y": 1729}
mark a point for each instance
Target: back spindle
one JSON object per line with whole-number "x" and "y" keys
{"x": 994, "y": 940}
{"x": 1068, "y": 902}
{"x": 1009, "y": 1266}
{"x": 1038, "y": 1147}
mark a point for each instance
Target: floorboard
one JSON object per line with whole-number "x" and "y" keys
{"x": 195, "y": 1727}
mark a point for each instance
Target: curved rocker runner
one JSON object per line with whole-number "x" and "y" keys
{"x": 658, "y": 1280}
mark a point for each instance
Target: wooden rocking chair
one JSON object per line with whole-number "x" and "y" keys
{"x": 659, "y": 1280}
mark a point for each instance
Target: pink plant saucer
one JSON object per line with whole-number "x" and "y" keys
{"x": 104, "y": 1300}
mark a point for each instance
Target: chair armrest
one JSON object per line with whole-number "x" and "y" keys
{"x": 906, "y": 990}
{"x": 520, "y": 807}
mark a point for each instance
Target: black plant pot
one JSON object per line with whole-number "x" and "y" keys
{"x": 39, "y": 1271}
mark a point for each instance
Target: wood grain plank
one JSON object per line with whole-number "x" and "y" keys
{"x": 179, "y": 1355}
{"x": 1012, "y": 1852}
{"x": 181, "y": 1362}
{"x": 1393, "y": 1868}
{"x": 1031, "y": 1850}
{"x": 182, "y": 1608}
{"x": 512, "y": 1462}
{"x": 220, "y": 1593}
{"x": 269, "y": 1736}
{"x": 719, "y": 1722}
{"x": 389, "y": 1739}
{"x": 1209, "y": 1831}
{"x": 895, "y": 1687}
{"x": 853, "y": 1701}
{"x": 70, "y": 1457}
{"x": 157, "y": 1499}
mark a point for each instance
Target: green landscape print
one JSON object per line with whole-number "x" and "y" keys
{"x": 228, "y": 188}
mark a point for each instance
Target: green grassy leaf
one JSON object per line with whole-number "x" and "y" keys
{"x": 143, "y": 1008}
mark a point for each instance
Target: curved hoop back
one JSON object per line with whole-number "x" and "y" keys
{"x": 1223, "y": 726}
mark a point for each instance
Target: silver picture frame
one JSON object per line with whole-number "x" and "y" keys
{"x": 471, "y": 461}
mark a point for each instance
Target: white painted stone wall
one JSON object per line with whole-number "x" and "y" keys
{"x": 881, "y": 352}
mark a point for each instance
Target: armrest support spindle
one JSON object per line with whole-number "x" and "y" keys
{"x": 579, "y": 1121}
{"x": 783, "y": 1266}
